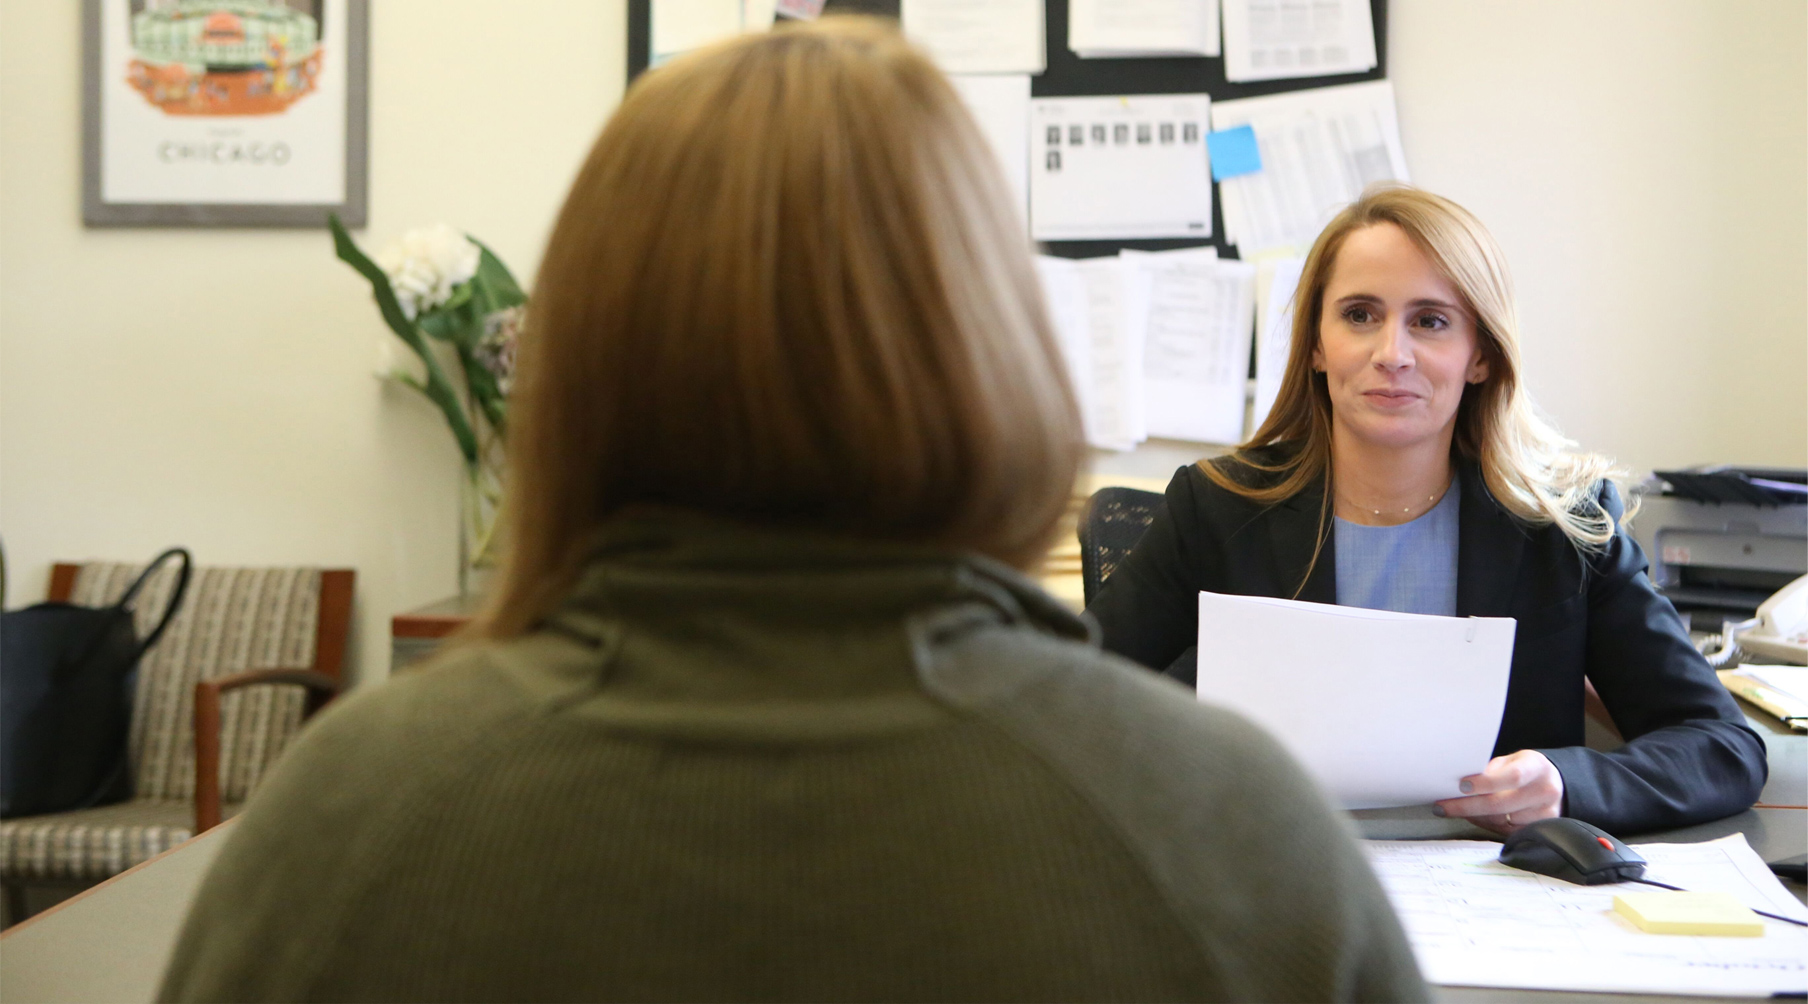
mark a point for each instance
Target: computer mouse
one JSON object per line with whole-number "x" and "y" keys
{"x": 1573, "y": 851}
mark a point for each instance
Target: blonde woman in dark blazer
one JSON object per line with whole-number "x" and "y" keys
{"x": 1404, "y": 467}
{"x": 764, "y": 706}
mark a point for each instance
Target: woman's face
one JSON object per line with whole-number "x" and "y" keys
{"x": 1395, "y": 344}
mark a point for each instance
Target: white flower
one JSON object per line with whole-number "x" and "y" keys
{"x": 426, "y": 265}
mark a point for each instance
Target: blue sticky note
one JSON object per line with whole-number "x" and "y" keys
{"x": 1233, "y": 152}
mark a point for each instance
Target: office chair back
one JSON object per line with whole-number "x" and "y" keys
{"x": 1114, "y": 521}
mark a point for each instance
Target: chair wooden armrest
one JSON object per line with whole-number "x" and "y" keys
{"x": 321, "y": 689}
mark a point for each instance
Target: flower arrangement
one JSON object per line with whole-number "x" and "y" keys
{"x": 444, "y": 293}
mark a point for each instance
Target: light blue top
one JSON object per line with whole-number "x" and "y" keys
{"x": 1410, "y": 568}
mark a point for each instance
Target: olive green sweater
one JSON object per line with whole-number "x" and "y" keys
{"x": 750, "y": 765}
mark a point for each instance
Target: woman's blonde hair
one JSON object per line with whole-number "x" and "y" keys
{"x": 1531, "y": 469}
{"x": 787, "y": 288}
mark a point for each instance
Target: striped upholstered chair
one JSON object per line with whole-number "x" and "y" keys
{"x": 203, "y": 731}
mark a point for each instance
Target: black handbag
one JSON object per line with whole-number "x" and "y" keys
{"x": 67, "y": 676}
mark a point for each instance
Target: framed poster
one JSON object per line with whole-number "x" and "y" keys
{"x": 224, "y": 112}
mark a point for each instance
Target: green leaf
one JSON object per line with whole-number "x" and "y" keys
{"x": 438, "y": 389}
{"x": 496, "y": 288}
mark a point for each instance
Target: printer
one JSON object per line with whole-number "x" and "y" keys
{"x": 1721, "y": 539}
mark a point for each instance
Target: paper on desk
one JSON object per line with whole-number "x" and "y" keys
{"x": 979, "y": 36}
{"x": 1272, "y": 39}
{"x": 1382, "y": 708}
{"x": 1193, "y": 313}
{"x": 1791, "y": 681}
{"x": 1090, "y": 301}
{"x": 1473, "y": 921}
{"x": 1132, "y": 28}
{"x": 1319, "y": 148}
{"x": 1000, "y": 103}
{"x": 1276, "y": 280}
{"x": 1120, "y": 168}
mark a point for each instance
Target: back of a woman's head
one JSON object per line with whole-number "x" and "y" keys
{"x": 787, "y": 288}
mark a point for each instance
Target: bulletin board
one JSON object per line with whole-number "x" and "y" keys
{"x": 1070, "y": 76}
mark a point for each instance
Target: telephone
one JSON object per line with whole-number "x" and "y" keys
{"x": 1780, "y": 631}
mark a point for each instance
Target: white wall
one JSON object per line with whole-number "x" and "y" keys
{"x": 213, "y": 387}
{"x": 1645, "y": 162}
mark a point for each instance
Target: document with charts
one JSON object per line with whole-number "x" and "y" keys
{"x": 1319, "y": 148}
{"x": 1273, "y": 39}
{"x": 1473, "y": 921}
{"x": 1193, "y": 313}
{"x": 1120, "y": 168}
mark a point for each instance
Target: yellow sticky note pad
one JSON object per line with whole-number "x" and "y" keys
{"x": 1712, "y": 913}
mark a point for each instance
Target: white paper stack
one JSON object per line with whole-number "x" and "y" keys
{"x": 1194, "y": 315}
{"x": 1115, "y": 29}
{"x": 1320, "y": 148}
{"x": 1157, "y": 343}
{"x": 1273, "y": 39}
{"x": 1382, "y": 708}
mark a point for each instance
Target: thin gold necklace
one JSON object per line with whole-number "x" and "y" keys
{"x": 1430, "y": 500}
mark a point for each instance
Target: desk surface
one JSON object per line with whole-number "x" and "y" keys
{"x": 112, "y": 942}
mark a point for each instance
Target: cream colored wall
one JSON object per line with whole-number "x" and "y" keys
{"x": 1645, "y": 164}
{"x": 213, "y": 387}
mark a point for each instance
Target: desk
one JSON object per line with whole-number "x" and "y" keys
{"x": 1773, "y": 833}
{"x": 414, "y": 635}
{"x": 112, "y": 942}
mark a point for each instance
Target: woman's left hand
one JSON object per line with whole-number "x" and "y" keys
{"x": 1513, "y": 790}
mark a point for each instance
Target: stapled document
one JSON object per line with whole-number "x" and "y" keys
{"x": 1383, "y": 708}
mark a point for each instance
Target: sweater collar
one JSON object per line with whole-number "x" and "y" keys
{"x": 679, "y": 564}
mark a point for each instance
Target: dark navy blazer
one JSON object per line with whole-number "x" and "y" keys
{"x": 1689, "y": 754}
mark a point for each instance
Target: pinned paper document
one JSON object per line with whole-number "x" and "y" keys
{"x": 1120, "y": 168}
{"x": 1000, "y": 104}
{"x": 1193, "y": 312}
{"x": 1273, "y": 39}
{"x": 679, "y": 26}
{"x": 1276, "y": 283}
{"x": 1319, "y": 150}
{"x": 1382, "y": 708}
{"x": 1090, "y": 301}
{"x": 1115, "y": 29}
{"x": 979, "y": 36}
